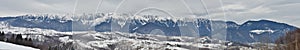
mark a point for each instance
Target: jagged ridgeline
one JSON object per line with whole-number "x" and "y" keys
{"x": 151, "y": 17}
{"x": 251, "y": 31}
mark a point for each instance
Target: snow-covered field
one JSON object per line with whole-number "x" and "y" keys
{"x": 86, "y": 40}
{"x": 10, "y": 46}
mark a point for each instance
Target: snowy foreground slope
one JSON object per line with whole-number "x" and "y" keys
{"x": 10, "y": 46}
{"x": 88, "y": 40}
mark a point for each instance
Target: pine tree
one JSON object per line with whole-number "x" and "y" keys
{"x": 19, "y": 36}
{"x": 1, "y": 33}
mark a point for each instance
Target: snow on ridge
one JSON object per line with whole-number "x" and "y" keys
{"x": 13, "y": 15}
{"x": 94, "y": 19}
{"x": 100, "y": 16}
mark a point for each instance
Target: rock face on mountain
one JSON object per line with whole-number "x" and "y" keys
{"x": 250, "y": 31}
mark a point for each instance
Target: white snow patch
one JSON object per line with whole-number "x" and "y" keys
{"x": 262, "y": 31}
{"x": 251, "y": 35}
{"x": 176, "y": 48}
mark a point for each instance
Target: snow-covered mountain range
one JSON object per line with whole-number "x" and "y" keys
{"x": 250, "y": 31}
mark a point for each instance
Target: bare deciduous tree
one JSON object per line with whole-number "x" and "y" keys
{"x": 290, "y": 41}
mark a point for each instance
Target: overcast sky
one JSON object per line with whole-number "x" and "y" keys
{"x": 284, "y": 11}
